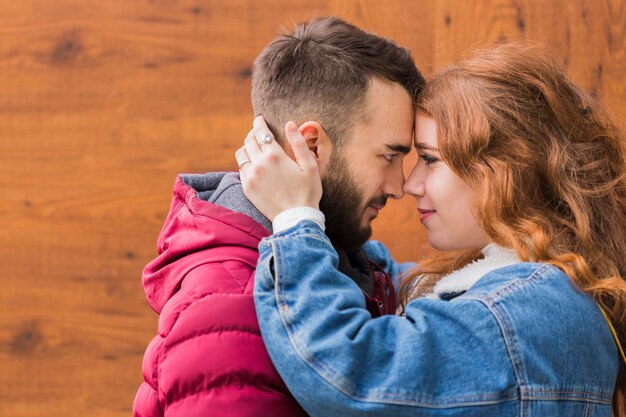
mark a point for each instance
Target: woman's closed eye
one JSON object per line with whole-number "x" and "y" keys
{"x": 428, "y": 158}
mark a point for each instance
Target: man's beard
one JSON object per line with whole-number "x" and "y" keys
{"x": 342, "y": 206}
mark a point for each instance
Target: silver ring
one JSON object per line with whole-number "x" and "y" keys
{"x": 265, "y": 139}
{"x": 242, "y": 163}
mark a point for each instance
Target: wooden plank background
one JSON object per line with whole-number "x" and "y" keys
{"x": 102, "y": 102}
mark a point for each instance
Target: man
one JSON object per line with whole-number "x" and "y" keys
{"x": 352, "y": 96}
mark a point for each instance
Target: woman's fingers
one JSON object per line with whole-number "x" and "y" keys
{"x": 243, "y": 162}
{"x": 242, "y": 157}
{"x": 304, "y": 157}
{"x": 260, "y": 142}
{"x": 263, "y": 135}
{"x": 270, "y": 178}
{"x": 252, "y": 147}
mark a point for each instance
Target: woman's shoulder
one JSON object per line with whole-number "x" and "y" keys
{"x": 529, "y": 292}
{"x": 521, "y": 277}
{"x": 538, "y": 300}
{"x": 544, "y": 318}
{"x": 525, "y": 294}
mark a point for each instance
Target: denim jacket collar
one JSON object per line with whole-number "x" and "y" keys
{"x": 461, "y": 280}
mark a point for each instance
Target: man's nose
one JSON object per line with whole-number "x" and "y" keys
{"x": 394, "y": 186}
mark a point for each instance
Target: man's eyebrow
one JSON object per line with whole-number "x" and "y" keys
{"x": 396, "y": 147}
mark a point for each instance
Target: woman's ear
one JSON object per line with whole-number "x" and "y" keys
{"x": 318, "y": 142}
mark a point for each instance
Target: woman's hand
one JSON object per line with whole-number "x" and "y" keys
{"x": 273, "y": 181}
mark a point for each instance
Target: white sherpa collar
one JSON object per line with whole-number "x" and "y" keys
{"x": 461, "y": 280}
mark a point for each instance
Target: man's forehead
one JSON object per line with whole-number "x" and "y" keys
{"x": 388, "y": 140}
{"x": 388, "y": 118}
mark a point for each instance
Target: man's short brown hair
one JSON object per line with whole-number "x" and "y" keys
{"x": 321, "y": 71}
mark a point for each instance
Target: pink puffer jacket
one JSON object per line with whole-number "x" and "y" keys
{"x": 208, "y": 358}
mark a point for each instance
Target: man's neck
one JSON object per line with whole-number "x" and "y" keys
{"x": 355, "y": 265}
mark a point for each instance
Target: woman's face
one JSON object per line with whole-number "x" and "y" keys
{"x": 443, "y": 199}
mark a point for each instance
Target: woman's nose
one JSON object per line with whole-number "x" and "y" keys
{"x": 414, "y": 184}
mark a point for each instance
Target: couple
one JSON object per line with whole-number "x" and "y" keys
{"x": 521, "y": 180}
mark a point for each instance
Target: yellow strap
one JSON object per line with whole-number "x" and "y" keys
{"x": 619, "y": 345}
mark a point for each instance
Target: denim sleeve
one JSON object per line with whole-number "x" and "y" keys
{"x": 379, "y": 253}
{"x": 338, "y": 361}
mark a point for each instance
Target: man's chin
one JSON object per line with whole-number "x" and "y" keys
{"x": 362, "y": 236}
{"x": 366, "y": 228}
{"x": 351, "y": 241}
{"x": 366, "y": 222}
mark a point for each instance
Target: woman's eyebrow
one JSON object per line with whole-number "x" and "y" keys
{"x": 419, "y": 145}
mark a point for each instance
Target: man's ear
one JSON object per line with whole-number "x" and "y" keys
{"x": 318, "y": 142}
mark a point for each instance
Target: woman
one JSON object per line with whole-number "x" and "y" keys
{"x": 521, "y": 179}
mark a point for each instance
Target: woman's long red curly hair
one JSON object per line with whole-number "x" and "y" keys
{"x": 547, "y": 167}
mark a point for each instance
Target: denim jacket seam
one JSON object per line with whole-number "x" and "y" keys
{"x": 536, "y": 274}
{"x": 491, "y": 302}
{"x": 428, "y": 401}
{"x": 290, "y": 326}
{"x": 508, "y": 337}
{"x": 510, "y": 344}
{"x": 528, "y": 393}
{"x": 289, "y": 323}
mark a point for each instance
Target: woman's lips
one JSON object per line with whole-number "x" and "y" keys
{"x": 424, "y": 214}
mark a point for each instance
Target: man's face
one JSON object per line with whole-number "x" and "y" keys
{"x": 367, "y": 169}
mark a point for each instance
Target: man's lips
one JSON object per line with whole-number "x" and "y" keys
{"x": 377, "y": 204}
{"x": 376, "y": 207}
{"x": 424, "y": 214}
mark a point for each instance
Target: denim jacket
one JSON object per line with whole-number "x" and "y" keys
{"x": 522, "y": 341}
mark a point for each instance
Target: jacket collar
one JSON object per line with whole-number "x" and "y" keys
{"x": 461, "y": 280}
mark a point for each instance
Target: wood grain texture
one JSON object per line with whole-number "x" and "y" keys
{"x": 103, "y": 102}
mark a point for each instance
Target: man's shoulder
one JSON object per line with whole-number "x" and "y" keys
{"x": 212, "y": 294}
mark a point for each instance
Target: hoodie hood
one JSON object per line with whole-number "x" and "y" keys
{"x": 225, "y": 190}
{"x": 199, "y": 230}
